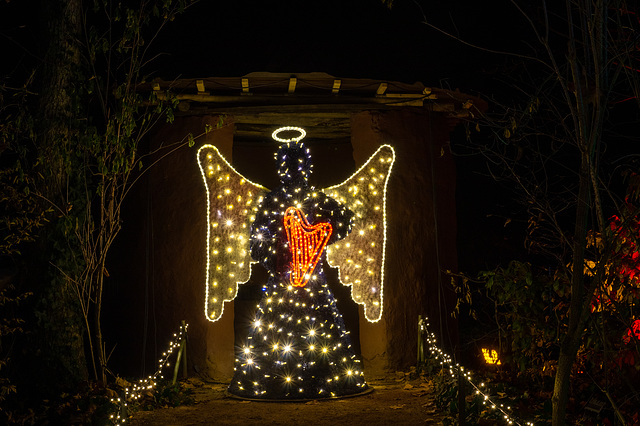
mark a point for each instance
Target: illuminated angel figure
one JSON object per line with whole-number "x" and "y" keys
{"x": 298, "y": 347}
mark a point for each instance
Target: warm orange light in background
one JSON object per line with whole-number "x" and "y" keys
{"x": 491, "y": 356}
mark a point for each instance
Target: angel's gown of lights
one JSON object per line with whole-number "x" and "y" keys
{"x": 298, "y": 346}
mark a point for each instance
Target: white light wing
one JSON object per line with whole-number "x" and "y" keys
{"x": 231, "y": 204}
{"x": 360, "y": 256}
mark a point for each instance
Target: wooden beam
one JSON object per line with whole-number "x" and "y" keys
{"x": 247, "y": 99}
{"x": 336, "y": 86}
{"x": 245, "y": 85}
{"x": 407, "y": 95}
{"x": 381, "y": 89}
{"x": 292, "y": 85}
{"x": 200, "y": 86}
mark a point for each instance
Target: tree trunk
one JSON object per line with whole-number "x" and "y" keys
{"x": 60, "y": 337}
{"x": 571, "y": 342}
{"x": 97, "y": 328}
{"x": 102, "y": 247}
{"x": 560, "y": 399}
{"x": 59, "y": 76}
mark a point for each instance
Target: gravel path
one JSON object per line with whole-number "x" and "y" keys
{"x": 394, "y": 401}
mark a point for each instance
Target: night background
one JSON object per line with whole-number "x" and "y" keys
{"x": 543, "y": 177}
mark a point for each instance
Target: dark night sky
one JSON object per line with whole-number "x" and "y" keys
{"x": 346, "y": 39}
{"x": 355, "y": 38}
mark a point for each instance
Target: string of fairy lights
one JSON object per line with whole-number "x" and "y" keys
{"x": 456, "y": 370}
{"x": 360, "y": 257}
{"x": 135, "y": 392}
{"x": 231, "y": 207}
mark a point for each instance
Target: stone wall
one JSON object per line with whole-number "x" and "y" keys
{"x": 158, "y": 271}
{"x": 421, "y": 233}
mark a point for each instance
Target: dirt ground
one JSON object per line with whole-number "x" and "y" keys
{"x": 394, "y": 401}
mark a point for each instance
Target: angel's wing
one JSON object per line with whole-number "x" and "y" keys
{"x": 360, "y": 256}
{"x": 231, "y": 204}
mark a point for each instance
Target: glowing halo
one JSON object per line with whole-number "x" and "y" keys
{"x": 275, "y": 133}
